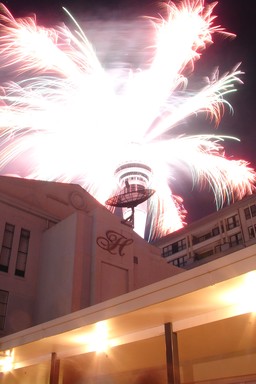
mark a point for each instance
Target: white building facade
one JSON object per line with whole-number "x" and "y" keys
{"x": 61, "y": 251}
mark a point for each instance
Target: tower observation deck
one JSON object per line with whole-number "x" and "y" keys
{"x": 133, "y": 179}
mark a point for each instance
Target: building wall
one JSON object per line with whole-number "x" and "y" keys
{"x": 79, "y": 253}
{"x": 22, "y": 290}
{"x": 214, "y": 236}
{"x": 81, "y": 297}
{"x": 56, "y": 266}
{"x": 121, "y": 260}
{"x": 219, "y": 352}
{"x": 86, "y": 260}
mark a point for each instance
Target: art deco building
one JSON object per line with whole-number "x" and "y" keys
{"x": 62, "y": 251}
{"x": 83, "y": 299}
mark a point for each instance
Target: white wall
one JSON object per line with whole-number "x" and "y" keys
{"x": 22, "y": 290}
{"x": 56, "y": 265}
{"x": 121, "y": 260}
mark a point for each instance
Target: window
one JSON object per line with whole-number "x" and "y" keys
{"x": 180, "y": 262}
{"x": 3, "y": 306}
{"x": 206, "y": 236}
{"x": 215, "y": 231}
{"x": 253, "y": 210}
{"x": 167, "y": 250}
{"x": 250, "y": 212}
{"x": 232, "y": 222}
{"x": 252, "y": 231}
{"x": 174, "y": 247}
{"x": 222, "y": 247}
{"x": 247, "y": 213}
{"x": 235, "y": 239}
{"x": 22, "y": 253}
{"x": 6, "y": 249}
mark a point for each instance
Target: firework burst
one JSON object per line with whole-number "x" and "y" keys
{"x": 65, "y": 117}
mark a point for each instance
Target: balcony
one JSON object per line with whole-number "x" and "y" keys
{"x": 199, "y": 239}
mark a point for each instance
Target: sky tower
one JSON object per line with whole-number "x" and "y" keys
{"x": 133, "y": 179}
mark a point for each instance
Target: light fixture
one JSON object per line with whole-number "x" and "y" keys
{"x": 6, "y": 360}
{"x": 242, "y": 295}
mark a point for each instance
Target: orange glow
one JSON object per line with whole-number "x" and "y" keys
{"x": 242, "y": 297}
{"x": 6, "y": 361}
{"x": 97, "y": 340}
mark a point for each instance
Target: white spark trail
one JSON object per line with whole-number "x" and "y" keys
{"x": 57, "y": 101}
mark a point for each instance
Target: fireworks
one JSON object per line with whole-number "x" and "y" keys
{"x": 66, "y": 117}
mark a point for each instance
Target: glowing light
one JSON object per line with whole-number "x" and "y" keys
{"x": 6, "y": 361}
{"x": 243, "y": 295}
{"x": 100, "y": 341}
{"x": 97, "y": 340}
{"x": 65, "y": 117}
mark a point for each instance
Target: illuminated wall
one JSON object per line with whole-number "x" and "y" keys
{"x": 79, "y": 253}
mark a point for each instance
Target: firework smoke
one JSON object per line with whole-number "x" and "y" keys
{"x": 66, "y": 117}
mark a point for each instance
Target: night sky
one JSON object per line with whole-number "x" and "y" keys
{"x": 238, "y": 16}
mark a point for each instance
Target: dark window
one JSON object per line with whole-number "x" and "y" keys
{"x": 247, "y": 213}
{"x": 3, "y": 307}
{"x": 252, "y": 231}
{"x": 232, "y": 222}
{"x": 167, "y": 250}
{"x": 6, "y": 247}
{"x": 22, "y": 253}
{"x": 253, "y": 210}
{"x": 217, "y": 248}
{"x": 180, "y": 262}
{"x": 250, "y": 212}
{"x": 222, "y": 247}
{"x": 236, "y": 239}
{"x": 174, "y": 247}
{"x": 215, "y": 231}
{"x": 206, "y": 236}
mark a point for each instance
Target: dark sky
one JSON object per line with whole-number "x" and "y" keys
{"x": 236, "y": 16}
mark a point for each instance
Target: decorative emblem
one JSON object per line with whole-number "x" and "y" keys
{"x": 114, "y": 242}
{"x": 77, "y": 200}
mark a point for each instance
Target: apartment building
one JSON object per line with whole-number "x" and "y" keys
{"x": 214, "y": 236}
